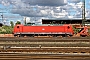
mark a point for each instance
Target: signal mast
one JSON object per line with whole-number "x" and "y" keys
{"x": 83, "y": 13}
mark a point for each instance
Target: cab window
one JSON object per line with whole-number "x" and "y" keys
{"x": 17, "y": 26}
{"x": 68, "y": 27}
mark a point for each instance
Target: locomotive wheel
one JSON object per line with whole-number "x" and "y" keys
{"x": 68, "y": 36}
{"x": 25, "y": 36}
{"x": 54, "y": 35}
{"x": 18, "y": 35}
{"x": 61, "y": 36}
{"x": 49, "y": 35}
{"x": 15, "y": 35}
{"x": 32, "y": 35}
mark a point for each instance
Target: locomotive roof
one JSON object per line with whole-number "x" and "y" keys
{"x": 47, "y": 25}
{"x": 19, "y": 25}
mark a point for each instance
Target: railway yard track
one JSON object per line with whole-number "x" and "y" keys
{"x": 48, "y": 50}
{"x": 18, "y": 56}
{"x": 47, "y": 39}
{"x": 45, "y": 42}
{"x": 45, "y": 48}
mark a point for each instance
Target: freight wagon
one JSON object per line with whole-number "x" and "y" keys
{"x": 46, "y": 30}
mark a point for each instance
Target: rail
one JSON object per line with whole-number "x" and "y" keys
{"x": 19, "y": 56}
{"x": 51, "y": 50}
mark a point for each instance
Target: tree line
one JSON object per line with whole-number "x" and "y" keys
{"x": 8, "y": 29}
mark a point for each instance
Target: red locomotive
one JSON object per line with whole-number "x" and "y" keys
{"x": 48, "y": 30}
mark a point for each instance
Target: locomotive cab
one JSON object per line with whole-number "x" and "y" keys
{"x": 69, "y": 30}
{"x": 17, "y": 30}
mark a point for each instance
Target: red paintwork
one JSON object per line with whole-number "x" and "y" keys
{"x": 43, "y": 29}
{"x": 84, "y": 31}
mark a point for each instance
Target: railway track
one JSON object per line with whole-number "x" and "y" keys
{"x": 48, "y": 50}
{"x": 30, "y": 39}
{"x": 46, "y": 45}
{"x": 24, "y": 56}
{"x": 44, "y": 42}
{"x": 45, "y": 48}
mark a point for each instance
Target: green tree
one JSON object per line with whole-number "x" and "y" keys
{"x": 18, "y": 22}
{"x": 12, "y": 24}
{"x": 29, "y": 23}
{"x": 6, "y": 30}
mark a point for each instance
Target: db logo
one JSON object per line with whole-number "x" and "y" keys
{"x": 43, "y": 29}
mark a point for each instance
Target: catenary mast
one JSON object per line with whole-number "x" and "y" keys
{"x": 83, "y": 13}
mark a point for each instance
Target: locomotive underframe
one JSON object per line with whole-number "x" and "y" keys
{"x": 32, "y": 34}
